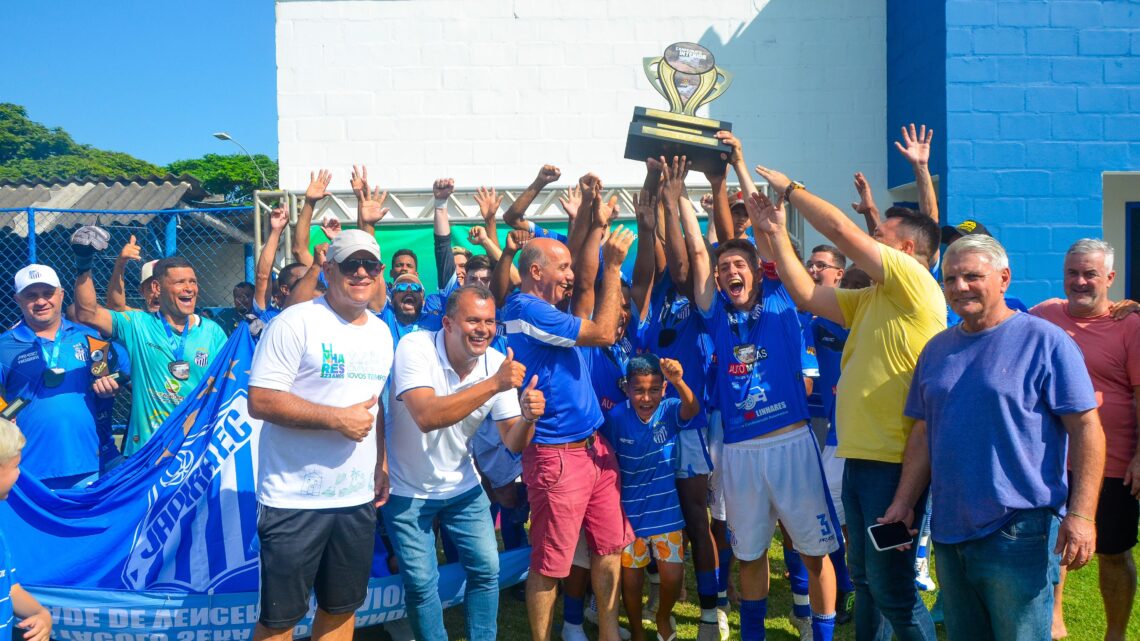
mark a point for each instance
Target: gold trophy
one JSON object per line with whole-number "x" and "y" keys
{"x": 687, "y": 76}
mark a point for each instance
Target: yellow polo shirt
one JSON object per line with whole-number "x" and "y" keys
{"x": 890, "y": 324}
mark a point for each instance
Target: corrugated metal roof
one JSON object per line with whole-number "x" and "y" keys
{"x": 137, "y": 193}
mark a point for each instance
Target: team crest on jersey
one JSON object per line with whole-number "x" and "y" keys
{"x": 749, "y": 353}
{"x": 660, "y": 434}
{"x": 201, "y": 358}
{"x": 80, "y": 353}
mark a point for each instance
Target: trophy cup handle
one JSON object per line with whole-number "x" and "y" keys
{"x": 653, "y": 73}
{"x": 719, "y": 88}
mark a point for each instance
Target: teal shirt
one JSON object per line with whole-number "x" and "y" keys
{"x": 154, "y": 390}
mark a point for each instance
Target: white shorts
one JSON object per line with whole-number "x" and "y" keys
{"x": 716, "y": 449}
{"x": 777, "y": 478}
{"x": 833, "y": 470}
{"x": 581, "y": 552}
{"x": 692, "y": 454}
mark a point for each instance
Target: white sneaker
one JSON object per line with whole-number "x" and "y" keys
{"x": 572, "y": 632}
{"x": 803, "y": 626}
{"x": 722, "y": 623}
{"x": 400, "y": 630}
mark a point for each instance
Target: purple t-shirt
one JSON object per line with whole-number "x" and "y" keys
{"x": 992, "y": 402}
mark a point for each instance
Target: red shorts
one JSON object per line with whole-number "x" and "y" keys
{"x": 569, "y": 489}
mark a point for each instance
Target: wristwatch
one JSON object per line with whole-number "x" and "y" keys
{"x": 792, "y": 186}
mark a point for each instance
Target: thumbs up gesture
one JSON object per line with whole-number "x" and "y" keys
{"x": 356, "y": 421}
{"x": 511, "y": 373}
{"x": 532, "y": 402}
{"x": 130, "y": 251}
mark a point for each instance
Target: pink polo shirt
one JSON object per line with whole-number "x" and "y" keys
{"x": 1112, "y": 355}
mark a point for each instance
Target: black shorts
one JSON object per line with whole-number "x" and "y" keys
{"x": 327, "y": 551}
{"x": 1117, "y": 518}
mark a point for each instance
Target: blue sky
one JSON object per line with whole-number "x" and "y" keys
{"x": 153, "y": 79}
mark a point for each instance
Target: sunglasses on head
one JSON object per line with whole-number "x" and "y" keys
{"x": 414, "y": 288}
{"x": 350, "y": 266}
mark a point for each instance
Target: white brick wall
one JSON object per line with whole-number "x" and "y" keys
{"x": 486, "y": 91}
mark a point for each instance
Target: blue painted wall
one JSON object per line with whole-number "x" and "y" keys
{"x": 1037, "y": 100}
{"x": 916, "y": 81}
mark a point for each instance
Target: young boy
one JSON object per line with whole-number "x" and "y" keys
{"x": 641, "y": 431}
{"x": 14, "y": 600}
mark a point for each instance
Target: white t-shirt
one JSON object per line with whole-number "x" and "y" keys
{"x": 313, "y": 353}
{"x": 437, "y": 465}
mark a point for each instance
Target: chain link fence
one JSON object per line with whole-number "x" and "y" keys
{"x": 218, "y": 242}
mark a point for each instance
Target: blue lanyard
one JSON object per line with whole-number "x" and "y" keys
{"x": 176, "y": 351}
{"x": 51, "y": 361}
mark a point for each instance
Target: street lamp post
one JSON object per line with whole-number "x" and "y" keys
{"x": 221, "y": 135}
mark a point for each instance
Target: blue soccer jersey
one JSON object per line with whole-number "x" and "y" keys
{"x": 674, "y": 329}
{"x": 543, "y": 338}
{"x": 648, "y": 485}
{"x": 427, "y": 321}
{"x": 830, "y": 337}
{"x": 7, "y": 580}
{"x": 759, "y": 365}
{"x": 607, "y": 371}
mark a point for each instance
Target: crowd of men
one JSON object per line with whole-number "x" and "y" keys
{"x": 721, "y": 388}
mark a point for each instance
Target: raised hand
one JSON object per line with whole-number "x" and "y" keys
{"x": 866, "y": 203}
{"x": 673, "y": 180}
{"x": 767, "y": 217}
{"x": 778, "y": 181}
{"x": 371, "y": 207}
{"x": 532, "y": 401}
{"x": 571, "y": 201}
{"x": 617, "y": 246}
{"x": 330, "y": 225}
{"x": 360, "y": 181}
{"x": 355, "y": 421}
{"x": 707, "y": 203}
{"x": 131, "y": 251}
{"x": 516, "y": 239}
{"x": 588, "y": 185}
{"x": 477, "y": 235}
{"x": 442, "y": 188}
{"x": 736, "y": 157}
{"x": 319, "y": 253}
{"x": 278, "y": 218}
{"x": 488, "y": 201}
{"x": 511, "y": 373}
{"x": 548, "y": 174}
{"x": 318, "y": 186}
{"x": 672, "y": 370}
{"x": 917, "y": 149}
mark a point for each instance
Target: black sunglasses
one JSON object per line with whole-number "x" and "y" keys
{"x": 350, "y": 266}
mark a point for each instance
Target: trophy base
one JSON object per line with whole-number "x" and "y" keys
{"x": 654, "y": 133}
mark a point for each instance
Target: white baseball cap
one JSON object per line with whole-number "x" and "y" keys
{"x": 349, "y": 242}
{"x": 147, "y": 271}
{"x": 33, "y": 274}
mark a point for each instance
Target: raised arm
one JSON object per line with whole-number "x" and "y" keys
{"x": 305, "y": 289}
{"x": 832, "y": 223}
{"x": 700, "y": 263}
{"x": 514, "y": 215}
{"x": 88, "y": 311}
{"x": 1076, "y": 538}
{"x": 866, "y": 205}
{"x": 597, "y": 214}
{"x": 601, "y": 331}
{"x": 116, "y": 298}
{"x": 645, "y": 263}
{"x": 478, "y": 236}
{"x": 317, "y": 190}
{"x": 489, "y": 201}
{"x": 674, "y": 373}
{"x": 441, "y": 190}
{"x": 770, "y": 223}
{"x": 917, "y": 153}
{"x": 505, "y": 277}
{"x": 264, "y": 272}
{"x": 577, "y": 226}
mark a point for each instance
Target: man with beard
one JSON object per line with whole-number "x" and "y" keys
{"x": 446, "y": 383}
{"x": 170, "y": 349}
{"x": 404, "y": 313}
{"x": 770, "y": 466}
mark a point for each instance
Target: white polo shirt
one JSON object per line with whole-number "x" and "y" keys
{"x": 437, "y": 465}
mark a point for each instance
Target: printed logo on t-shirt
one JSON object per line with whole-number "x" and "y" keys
{"x": 332, "y": 363}
{"x": 201, "y": 358}
{"x": 80, "y": 353}
{"x": 660, "y": 434}
{"x": 756, "y": 394}
{"x": 28, "y": 357}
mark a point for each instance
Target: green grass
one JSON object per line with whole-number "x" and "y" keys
{"x": 1084, "y": 612}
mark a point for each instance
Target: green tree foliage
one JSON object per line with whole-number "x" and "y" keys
{"x": 234, "y": 176}
{"x": 30, "y": 151}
